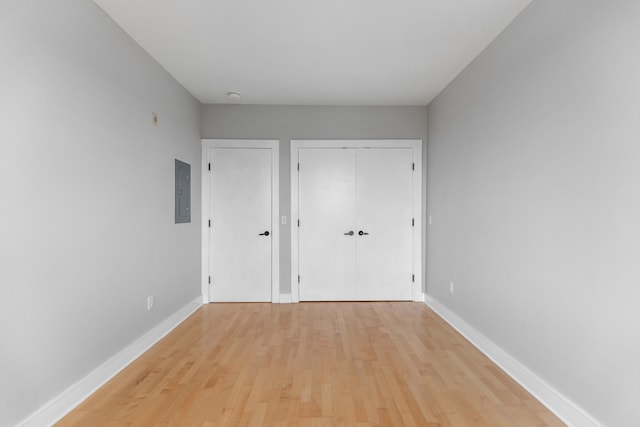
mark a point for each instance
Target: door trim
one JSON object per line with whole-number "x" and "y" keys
{"x": 274, "y": 146}
{"x": 415, "y": 145}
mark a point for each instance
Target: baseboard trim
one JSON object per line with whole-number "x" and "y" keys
{"x": 565, "y": 409}
{"x": 285, "y": 298}
{"x": 62, "y": 404}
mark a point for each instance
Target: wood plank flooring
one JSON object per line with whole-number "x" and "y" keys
{"x": 312, "y": 364}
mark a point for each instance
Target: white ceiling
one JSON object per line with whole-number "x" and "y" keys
{"x": 314, "y": 52}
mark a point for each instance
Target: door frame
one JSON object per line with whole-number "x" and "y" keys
{"x": 274, "y": 146}
{"x": 415, "y": 145}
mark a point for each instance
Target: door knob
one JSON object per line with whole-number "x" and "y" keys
{"x": 362, "y": 233}
{"x": 266, "y": 233}
{"x": 350, "y": 233}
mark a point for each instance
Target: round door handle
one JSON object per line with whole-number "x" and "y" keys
{"x": 266, "y": 233}
{"x": 362, "y": 233}
{"x": 349, "y": 233}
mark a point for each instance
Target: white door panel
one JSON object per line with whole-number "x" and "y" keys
{"x": 240, "y": 210}
{"x": 366, "y": 190}
{"x": 384, "y": 210}
{"x": 327, "y": 212}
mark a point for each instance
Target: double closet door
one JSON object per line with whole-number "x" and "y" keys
{"x": 355, "y": 238}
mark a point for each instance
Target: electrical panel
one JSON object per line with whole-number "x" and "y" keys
{"x": 183, "y": 192}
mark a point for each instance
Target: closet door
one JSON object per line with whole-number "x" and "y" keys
{"x": 327, "y": 235}
{"x": 355, "y": 233}
{"x": 384, "y": 196}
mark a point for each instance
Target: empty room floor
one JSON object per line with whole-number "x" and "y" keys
{"x": 312, "y": 364}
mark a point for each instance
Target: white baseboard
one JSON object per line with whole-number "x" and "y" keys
{"x": 285, "y": 298}
{"x": 62, "y": 404}
{"x": 565, "y": 409}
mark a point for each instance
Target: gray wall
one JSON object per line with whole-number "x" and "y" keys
{"x": 534, "y": 188}
{"x": 86, "y": 187}
{"x": 285, "y": 123}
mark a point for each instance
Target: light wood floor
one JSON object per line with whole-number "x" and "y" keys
{"x": 312, "y": 364}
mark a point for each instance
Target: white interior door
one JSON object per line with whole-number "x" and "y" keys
{"x": 355, "y": 236}
{"x": 384, "y": 207}
{"x": 327, "y": 228}
{"x": 240, "y": 234}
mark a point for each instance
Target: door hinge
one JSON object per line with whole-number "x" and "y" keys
{"x": 209, "y": 166}
{"x": 413, "y": 277}
{"x": 209, "y": 223}
{"x": 298, "y": 278}
{"x": 209, "y": 279}
{"x": 298, "y": 166}
{"x": 413, "y": 166}
{"x": 298, "y": 223}
{"x": 413, "y": 222}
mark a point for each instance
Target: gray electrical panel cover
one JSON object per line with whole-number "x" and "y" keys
{"x": 183, "y": 192}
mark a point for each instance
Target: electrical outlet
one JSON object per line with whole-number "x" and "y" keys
{"x": 149, "y": 302}
{"x": 450, "y": 287}
{"x": 430, "y": 221}
{"x": 283, "y": 220}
